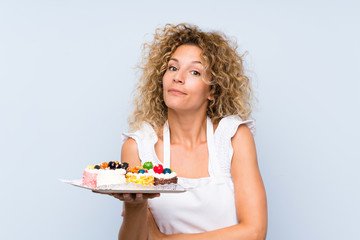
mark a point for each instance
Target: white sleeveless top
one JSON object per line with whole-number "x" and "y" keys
{"x": 209, "y": 202}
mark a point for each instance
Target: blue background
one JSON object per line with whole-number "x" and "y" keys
{"x": 67, "y": 70}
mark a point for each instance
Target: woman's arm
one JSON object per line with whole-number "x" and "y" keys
{"x": 250, "y": 197}
{"x": 134, "y": 224}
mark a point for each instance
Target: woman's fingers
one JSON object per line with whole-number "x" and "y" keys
{"x": 127, "y": 197}
{"x": 139, "y": 197}
{"x": 118, "y": 196}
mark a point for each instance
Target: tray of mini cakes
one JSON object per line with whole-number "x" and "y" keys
{"x": 116, "y": 177}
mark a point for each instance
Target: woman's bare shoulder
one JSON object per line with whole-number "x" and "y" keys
{"x": 242, "y": 134}
{"x": 129, "y": 153}
{"x": 244, "y": 149}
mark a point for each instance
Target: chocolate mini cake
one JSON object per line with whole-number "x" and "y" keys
{"x": 164, "y": 175}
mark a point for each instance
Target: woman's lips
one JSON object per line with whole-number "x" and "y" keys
{"x": 176, "y": 92}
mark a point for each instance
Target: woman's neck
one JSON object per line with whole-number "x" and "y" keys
{"x": 188, "y": 129}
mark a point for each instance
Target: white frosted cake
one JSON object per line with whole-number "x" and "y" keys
{"x": 104, "y": 174}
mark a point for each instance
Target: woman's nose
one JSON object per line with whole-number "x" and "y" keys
{"x": 179, "y": 77}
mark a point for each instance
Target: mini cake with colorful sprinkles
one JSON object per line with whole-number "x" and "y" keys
{"x": 139, "y": 175}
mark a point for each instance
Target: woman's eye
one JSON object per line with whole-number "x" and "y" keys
{"x": 196, "y": 73}
{"x": 172, "y": 68}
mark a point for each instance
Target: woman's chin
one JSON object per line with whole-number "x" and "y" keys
{"x": 176, "y": 104}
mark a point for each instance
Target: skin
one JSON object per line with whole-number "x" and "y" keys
{"x": 187, "y": 95}
{"x": 186, "y": 112}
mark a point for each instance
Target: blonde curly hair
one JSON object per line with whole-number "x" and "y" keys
{"x": 229, "y": 87}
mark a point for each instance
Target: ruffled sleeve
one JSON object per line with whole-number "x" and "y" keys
{"x": 145, "y": 139}
{"x": 225, "y": 131}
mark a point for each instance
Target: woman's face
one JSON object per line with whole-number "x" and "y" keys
{"x": 184, "y": 88}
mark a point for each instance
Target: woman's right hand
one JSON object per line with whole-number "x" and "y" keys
{"x": 134, "y": 198}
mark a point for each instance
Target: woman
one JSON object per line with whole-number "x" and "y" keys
{"x": 192, "y": 103}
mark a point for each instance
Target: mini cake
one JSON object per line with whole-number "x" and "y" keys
{"x": 144, "y": 179}
{"x": 139, "y": 175}
{"x": 164, "y": 175}
{"x": 104, "y": 174}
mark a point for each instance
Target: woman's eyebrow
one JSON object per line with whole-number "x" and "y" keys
{"x": 176, "y": 60}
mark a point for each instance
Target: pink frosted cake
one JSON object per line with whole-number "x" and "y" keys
{"x": 104, "y": 174}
